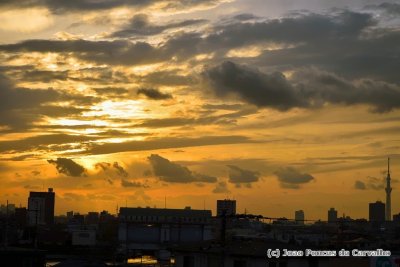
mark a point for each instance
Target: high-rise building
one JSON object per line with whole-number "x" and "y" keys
{"x": 388, "y": 189}
{"x": 41, "y": 207}
{"x": 332, "y": 215}
{"x": 299, "y": 216}
{"x": 377, "y": 212}
{"x": 226, "y": 207}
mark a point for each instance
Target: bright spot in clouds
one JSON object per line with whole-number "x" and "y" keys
{"x": 25, "y": 20}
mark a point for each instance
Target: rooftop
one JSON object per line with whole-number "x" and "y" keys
{"x": 164, "y": 212}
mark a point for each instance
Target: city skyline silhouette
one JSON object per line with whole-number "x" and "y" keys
{"x": 281, "y": 105}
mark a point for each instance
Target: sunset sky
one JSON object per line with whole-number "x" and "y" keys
{"x": 280, "y": 104}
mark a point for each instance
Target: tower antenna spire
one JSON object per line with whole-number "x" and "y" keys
{"x": 388, "y": 190}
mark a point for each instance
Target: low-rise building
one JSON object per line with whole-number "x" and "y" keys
{"x": 154, "y": 229}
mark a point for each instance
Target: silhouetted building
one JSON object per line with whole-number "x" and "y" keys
{"x": 105, "y": 217}
{"x": 61, "y": 219}
{"x": 388, "y": 190}
{"x": 70, "y": 215}
{"x": 152, "y": 229}
{"x": 41, "y": 207}
{"x": 92, "y": 218}
{"x": 396, "y": 218}
{"x": 7, "y": 209}
{"x": 226, "y": 206}
{"x": 377, "y": 212}
{"x": 332, "y": 215}
{"x": 299, "y": 216}
{"x": 21, "y": 217}
{"x": 78, "y": 219}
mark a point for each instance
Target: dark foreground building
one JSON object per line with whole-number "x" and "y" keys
{"x": 41, "y": 208}
{"x": 20, "y": 257}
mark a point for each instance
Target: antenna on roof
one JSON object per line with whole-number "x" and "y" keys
{"x": 165, "y": 202}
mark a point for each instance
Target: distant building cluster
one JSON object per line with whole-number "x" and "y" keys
{"x": 194, "y": 237}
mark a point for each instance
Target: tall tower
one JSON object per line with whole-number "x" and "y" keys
{"x": 388, "y": 190}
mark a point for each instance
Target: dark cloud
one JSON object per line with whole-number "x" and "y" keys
{"x": 308, "y": 30}
{"x": 321, "y": 87}
{"x": 311, "y": 88}
{"x": 62, "y": 6}
{"x": 45, "y": 76}
{"x": 360, "y": 185}
{"x": 372, "y": 183}
{"x": 14, "y": 100}
{"x": 120, "y": 170}
{"x": 240, "y": 176}
{"x": 102, "y": 165}
{"x": 127, "y": 183}
{"x": 204, "y": 178}
{"x": 153, "y": 94}
{"x": 141, "y": 25}
{"x": 292, "y": 178}
{"x": 261, "y": 89}
{"x": 105, "y": 166}
{"x": 167, "y": 142}
{"x": 221, "y": 188}
{"x": 174, "y": 173}
{"x": 109, "y": 52}
{"x": 21, "y": 107}
{"x": 390, "y": 8}
{"x": 68, "y": 167}
{"x": 309, "y": 27}
{"x": 21, "y": 157}
{"x": 166, "y": 78}
{"x": 244, "y": 17}
{"x": 41, "y": 142}
{"x": 344, "y": 42}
